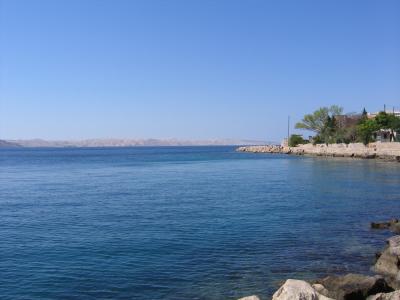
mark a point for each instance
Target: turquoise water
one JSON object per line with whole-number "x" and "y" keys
{"x": 183, "y": 222}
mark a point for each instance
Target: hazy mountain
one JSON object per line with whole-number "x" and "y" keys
{"x": 7, "y": 144}
{"x": 126, "y": 142}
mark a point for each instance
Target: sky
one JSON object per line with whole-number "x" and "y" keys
{"x": 77, "y": 69}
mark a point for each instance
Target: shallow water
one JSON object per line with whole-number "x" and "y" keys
{"x": 183, "y": 222}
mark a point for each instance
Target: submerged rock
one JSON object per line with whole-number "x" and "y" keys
{"x": 297, "y": 290}
{"x": 384, "y": 225}
{"x": 353, "y": 286}
{"x": 393, "y": 225}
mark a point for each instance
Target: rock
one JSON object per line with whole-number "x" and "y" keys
{"x": 297, "y": 290}
{"x": 353, "y": 286}
{"x": 388, "y": 262}
{"x": 392, "y": 282}
{"x": 380, "y": 225}
{"x": 388, "y": 296}
{"x": 387, "y": 151}
{"x": 394, "y": 245}
{"x": 395, "y": 228}
{"x": 254, "y": 297}
{"x": 384, "y": 225}
{"x": 319, "y": 288}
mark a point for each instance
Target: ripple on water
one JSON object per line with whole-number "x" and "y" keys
{"x": 183, "y": 223}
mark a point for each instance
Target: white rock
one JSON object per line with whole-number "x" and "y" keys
{"x": 254, "y": 297}
{"x": 297, "y": 290}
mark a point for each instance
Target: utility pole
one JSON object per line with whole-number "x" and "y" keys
{"x": 288, "y": 128}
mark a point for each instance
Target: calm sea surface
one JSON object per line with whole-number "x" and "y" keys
{"x": 183, "y": 222}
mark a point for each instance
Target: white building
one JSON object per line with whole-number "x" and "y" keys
{"x": 392, "y": 112}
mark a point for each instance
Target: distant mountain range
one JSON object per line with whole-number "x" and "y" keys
{"x": 8, "y": 144}
{"x": 125, "y": 143}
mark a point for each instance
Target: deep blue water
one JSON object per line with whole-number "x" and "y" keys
{"x": 183, "y": 222}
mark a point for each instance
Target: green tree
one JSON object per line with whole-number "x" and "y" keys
{"x": 296, "y": 139}
{"x": 389, "y": 122}
{"x": 349, "y": 133}
{"x": 317, "y": 120}
{"x": 323, "y": 123}
{"x": 383, "y": 120}
{"x": 329, "y": 131}
{"x": 365, "y": 130}
{"x": 364, "y": 116}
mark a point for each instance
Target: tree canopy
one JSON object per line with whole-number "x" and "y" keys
{"x": 296, "y": 139}
{"x": 317, "y": 120}
{"x": 331, "y": 126}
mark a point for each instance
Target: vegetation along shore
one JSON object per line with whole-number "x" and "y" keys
{"x": 364, "y": 135}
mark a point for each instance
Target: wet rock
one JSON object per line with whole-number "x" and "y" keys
{"x": 388, "y": 296}
{"x": 384, "y": 225}
{"x": 297, "y": 290}
{"x": 353, "y": 286}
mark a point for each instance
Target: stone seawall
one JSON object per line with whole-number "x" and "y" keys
{"x": 387, "y": 151}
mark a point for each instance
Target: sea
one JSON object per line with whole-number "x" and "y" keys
{"x": 184, "y": 222}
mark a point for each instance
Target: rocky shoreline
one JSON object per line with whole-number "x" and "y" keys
{"x": 385, "y": 285}
{"x": 386, "y": 151}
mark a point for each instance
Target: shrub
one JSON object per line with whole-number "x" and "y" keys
{"x": 296, "y": 139}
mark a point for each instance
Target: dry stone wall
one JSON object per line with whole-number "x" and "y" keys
{"x": 389, "y": 151}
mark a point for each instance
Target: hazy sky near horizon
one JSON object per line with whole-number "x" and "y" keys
{"x": 190, "y": 69}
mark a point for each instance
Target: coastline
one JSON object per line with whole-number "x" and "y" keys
{"x": 385, "y": 151}
{"x": 383, "y": 285}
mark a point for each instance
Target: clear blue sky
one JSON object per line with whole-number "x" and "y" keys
{"x": 190, "y": 69}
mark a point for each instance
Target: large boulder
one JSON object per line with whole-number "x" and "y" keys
{"x": 388, "y": 296}
{"x": 297, "y": 290}
{"x": 388, "y": 263}
{"x": 353, "y": 286}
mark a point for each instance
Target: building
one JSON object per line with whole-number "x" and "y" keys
{"x": 394, "y": 112}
